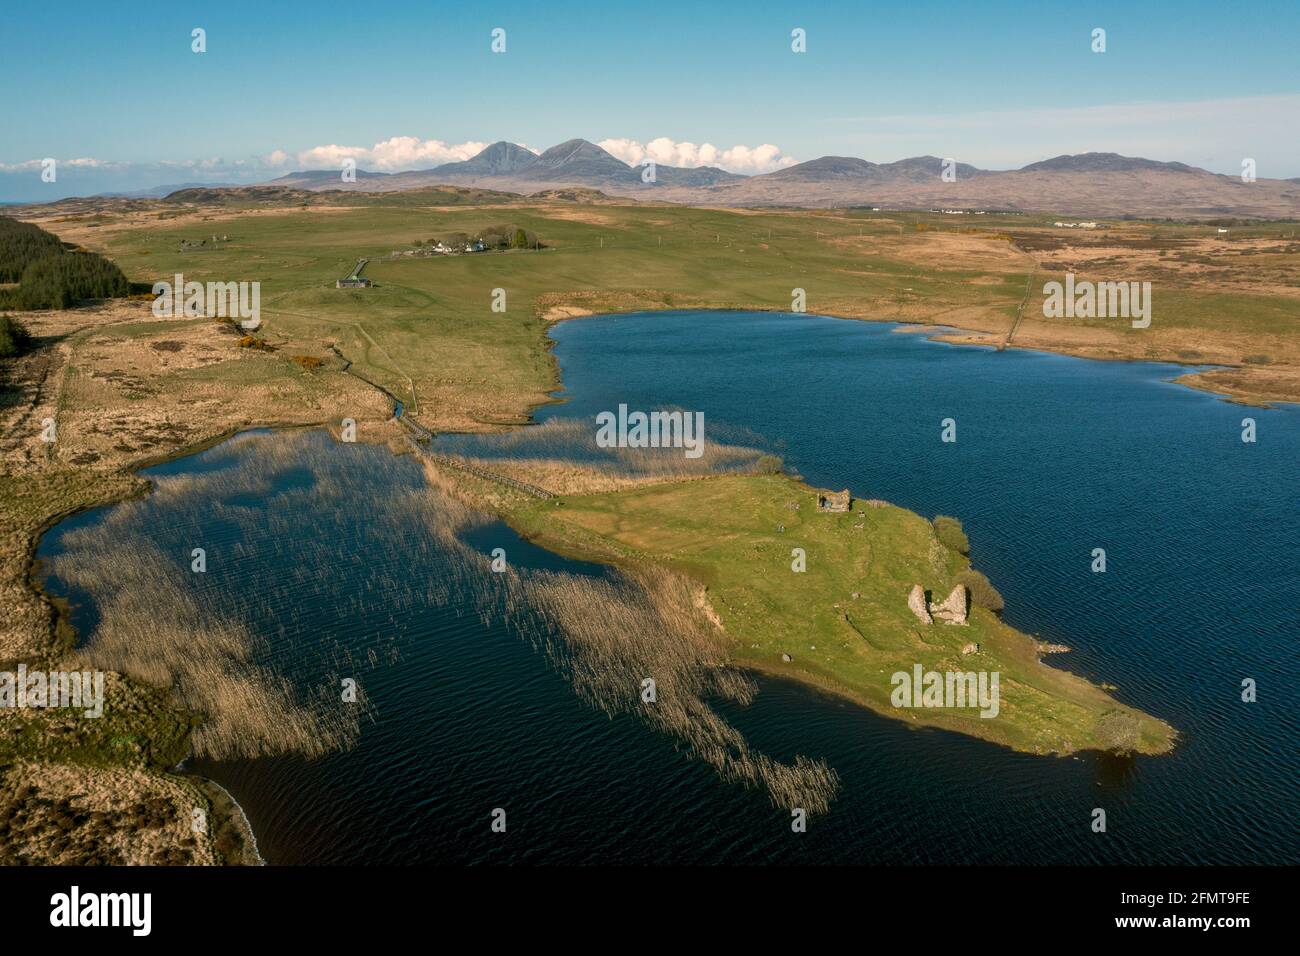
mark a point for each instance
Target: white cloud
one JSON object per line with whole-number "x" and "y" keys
{"x": 85, "y": 162}
{"x": 411, "y": 152}
{"x": 668, "y": 152}
{"x": 397, "y": 153}
{"x": 392, "y": 155}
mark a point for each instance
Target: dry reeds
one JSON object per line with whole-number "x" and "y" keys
{"x": 561, "y": 456}
{"x": 618, "y": 632}
{"x": 166, "y": 625}
{"x": 153, "y": 631}
{"x": 232, "y": 655}
{"x": 606, "y": 635}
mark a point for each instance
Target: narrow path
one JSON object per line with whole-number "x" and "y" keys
{"x": 1020, "y": 312}
{"x": 418, "y": 437}
{"x": 394, "y": 367}
{"x": 410, "y": 382}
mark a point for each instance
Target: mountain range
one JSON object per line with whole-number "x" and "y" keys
{"x": 1096, "y": 184}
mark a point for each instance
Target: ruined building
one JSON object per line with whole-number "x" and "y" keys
{"x": 838, "y": 501}
{"x": 954, "y": 610}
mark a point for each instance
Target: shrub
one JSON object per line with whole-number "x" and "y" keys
{"x": 982, "y": 591}
{"x": 948, "y": 531}
{"x": 14, "y": 337}
{"x": 1118, "y": 731}
{"x": 769, "y": 465}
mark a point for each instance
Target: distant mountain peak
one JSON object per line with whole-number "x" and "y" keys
{"x": 575, "y": 150}
{"x": 502, "y": 158}
{"x": 828, "y": 168}
{"x": 581, "y": 162}
{"x": 1102, "y": 163}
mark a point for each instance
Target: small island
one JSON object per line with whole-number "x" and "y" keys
{"x": 821, "y": 588}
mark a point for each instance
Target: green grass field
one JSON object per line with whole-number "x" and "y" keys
{"x": 427, "y": 325}
{"x": 426, "y": 331}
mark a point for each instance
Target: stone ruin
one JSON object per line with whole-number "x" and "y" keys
{"x": 916, "y": 601}
{"x": 836, "y": 501}
{"x": 955, "y": 610}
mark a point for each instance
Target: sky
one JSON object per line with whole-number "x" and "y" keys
{"x": 115, "y": 92}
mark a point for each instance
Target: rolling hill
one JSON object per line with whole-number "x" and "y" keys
{"x": 1085, "y": 184}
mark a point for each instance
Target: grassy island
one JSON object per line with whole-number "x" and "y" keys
{"x": 843, "y": 623}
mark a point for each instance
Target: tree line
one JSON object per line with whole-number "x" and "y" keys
{"x": 21, "y": 243}
{"x": 505, "y": 236}
{"x": 49, "y": 274}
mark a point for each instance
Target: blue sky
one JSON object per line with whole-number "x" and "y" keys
{"x": 994, "y": 84}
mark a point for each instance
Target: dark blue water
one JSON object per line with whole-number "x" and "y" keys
{"x": 1055, "y": 456}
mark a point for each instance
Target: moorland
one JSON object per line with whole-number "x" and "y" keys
{"x": 124, "y": 389}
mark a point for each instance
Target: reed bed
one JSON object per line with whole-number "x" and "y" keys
{"x": 154, "y": 632}
{"x": 561, "y": 455}
{"x": 614, "y": 633}
{"x": 245, "y": 653}
{"x": 606, "y": 635}
{"x": 240, "y": 653}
